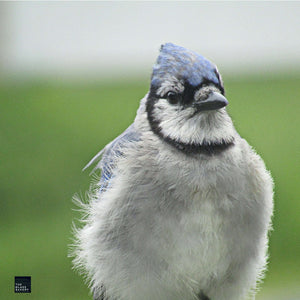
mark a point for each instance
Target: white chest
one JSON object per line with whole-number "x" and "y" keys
{"x": 198, "y": 247}
{"x": 201, "y": 241}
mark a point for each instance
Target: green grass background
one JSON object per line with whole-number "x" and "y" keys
{"x": 50, "y": 130}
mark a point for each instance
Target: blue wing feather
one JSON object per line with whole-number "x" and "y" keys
{"x": 111, "y": 153}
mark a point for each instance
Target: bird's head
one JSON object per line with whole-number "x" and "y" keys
{"x": 185, "y": 105}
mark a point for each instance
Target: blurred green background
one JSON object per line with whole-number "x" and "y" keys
{"x": 48, "y": 132}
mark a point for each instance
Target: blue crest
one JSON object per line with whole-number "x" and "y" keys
{"x": 184, "y": 64}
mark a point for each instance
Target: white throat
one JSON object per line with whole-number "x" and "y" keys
{"x": 183, "y": 125}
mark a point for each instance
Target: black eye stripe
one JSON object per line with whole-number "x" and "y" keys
{"x": 186, "y": 97}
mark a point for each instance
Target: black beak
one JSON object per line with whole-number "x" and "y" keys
{"x": 212, "y": 102}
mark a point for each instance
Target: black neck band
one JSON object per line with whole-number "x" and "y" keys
{"x": 204, "y": 148}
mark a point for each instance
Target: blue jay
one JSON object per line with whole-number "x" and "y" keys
{"x": 183, "y": 205}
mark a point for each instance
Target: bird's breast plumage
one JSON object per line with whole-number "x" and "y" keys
{"x": 181, "y": 218}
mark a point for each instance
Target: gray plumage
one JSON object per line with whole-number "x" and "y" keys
{"x": 183, "y": 206}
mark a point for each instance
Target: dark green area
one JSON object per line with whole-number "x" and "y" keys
{"x": 49, "y": 131}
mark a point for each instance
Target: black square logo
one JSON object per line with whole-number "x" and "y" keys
{"x": 22, "y": 284}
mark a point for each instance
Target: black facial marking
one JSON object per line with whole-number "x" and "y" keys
{"x": 151, "y": 100}
{"x": 189, "y": 149}
{"x": 187, "y": 97}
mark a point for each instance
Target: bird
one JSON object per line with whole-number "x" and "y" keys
{"x": 180, "y": 206}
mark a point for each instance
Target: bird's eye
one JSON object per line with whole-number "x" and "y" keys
{"x": 173, "y": 97}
